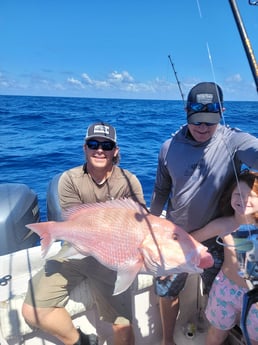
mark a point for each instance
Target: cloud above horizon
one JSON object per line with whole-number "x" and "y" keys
{"x": 116, "y": 84}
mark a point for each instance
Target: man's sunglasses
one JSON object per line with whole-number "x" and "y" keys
{"x": 210, "y": 107}
{"x": 205, "y": 123}
{"x": 105, "y": 145}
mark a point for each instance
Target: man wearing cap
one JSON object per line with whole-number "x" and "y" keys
{"x": 98, "y": 180}
{"x": 194, "y": 167}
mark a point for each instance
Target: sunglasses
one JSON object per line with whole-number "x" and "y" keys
{"x": 105, "y": 145}
{"x": 205, "y": 123}
{"x": 210, "y": 107}
{"x": 247, "y": 171}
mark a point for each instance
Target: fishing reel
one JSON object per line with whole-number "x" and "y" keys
{"x": 246, "y": 247}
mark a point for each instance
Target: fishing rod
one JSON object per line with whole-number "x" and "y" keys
{"x": 245, "y": 40}
{"x": 178, "y": 82}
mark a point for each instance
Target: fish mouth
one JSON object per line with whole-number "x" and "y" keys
{"x": 203, "y": 260}
{"x": 206, "y": 259}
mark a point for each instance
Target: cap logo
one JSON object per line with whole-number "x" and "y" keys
{"x": 101, "y": 129}
{"x": 204, "y": 98}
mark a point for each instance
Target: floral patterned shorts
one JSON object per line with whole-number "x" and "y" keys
{"x": 225, "y": 304}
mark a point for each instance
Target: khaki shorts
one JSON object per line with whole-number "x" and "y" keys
{"x": 51, "y": 287}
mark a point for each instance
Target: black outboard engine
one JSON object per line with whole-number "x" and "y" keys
{"x": 54, "y": 211}
{"x": 18, "y": 207}
{"x": 246, "y": 247}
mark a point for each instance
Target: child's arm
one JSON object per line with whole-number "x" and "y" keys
{"x": 217, "y": 227}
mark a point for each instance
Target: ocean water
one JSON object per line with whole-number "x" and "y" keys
{"x": 43, "y": 136}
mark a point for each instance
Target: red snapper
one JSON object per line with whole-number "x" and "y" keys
{"x": 123, "y": 236}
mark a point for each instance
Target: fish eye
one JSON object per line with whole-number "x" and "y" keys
{"x": 175, "y": 236}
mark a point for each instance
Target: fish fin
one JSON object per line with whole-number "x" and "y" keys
{"x": 69, "y": 251}
{"x": 42, "y": 229}
{"x": 46, "y": 242}
{"x": 127, "y": 203}
{"x": 126, "y": 276}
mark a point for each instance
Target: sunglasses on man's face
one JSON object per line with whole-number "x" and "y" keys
{"x": 210, "y": 107}
{"x": 105, "y": 145}
{"x": 205, "y": 123}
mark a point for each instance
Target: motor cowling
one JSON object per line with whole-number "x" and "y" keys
{"x": 18, "y": 207}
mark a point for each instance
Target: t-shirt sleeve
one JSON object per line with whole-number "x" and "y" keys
{"x": 68, "y": 194}
{"x": 135, "y": 190}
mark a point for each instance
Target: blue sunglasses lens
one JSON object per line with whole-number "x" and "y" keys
{"x": 105, "y": 145}
{"x": 210, "y": 107}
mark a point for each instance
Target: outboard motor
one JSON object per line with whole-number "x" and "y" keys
{"x": 18, "y": 207}
{"x": 54, "y": 211}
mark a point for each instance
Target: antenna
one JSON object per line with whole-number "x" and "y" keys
{"x": 178, "y": 82}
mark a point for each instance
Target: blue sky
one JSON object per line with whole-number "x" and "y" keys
{"x": 119, "y": 49}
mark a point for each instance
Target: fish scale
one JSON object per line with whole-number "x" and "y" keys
{"x": 107, "y": 250}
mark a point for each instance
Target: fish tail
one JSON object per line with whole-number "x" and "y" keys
{"x": 43, "y": 230}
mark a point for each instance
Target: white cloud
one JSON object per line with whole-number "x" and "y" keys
{"x": 59, "y": 86}
{"x": 118, "y": 84}
{"x": 4, "y": 83}
{"x": 87, "y": 79}
{"x": 101, "y": 84}
{"x": 76, "y": 83}
{"x": 234, "y": 78}
{"x": 122, "y": 77}
{"x": 123, "y": 84}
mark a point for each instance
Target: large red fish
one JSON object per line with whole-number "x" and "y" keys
{"x": 123, "y": 236}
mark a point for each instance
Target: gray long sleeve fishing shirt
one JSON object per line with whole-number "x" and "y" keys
{"x": 192, "y": 176}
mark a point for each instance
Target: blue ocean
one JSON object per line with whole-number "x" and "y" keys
{"x": 43, "y": 136}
